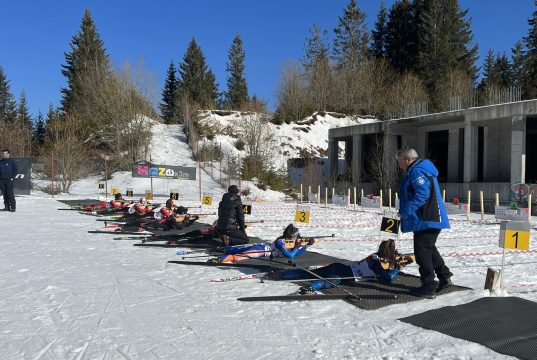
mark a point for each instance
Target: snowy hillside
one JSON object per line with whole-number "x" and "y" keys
{"x": 309, "y": 135}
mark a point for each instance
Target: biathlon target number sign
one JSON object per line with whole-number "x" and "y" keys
{"x": 174, "y": 195}
{"x": 302, "y": 214}
{"x": 515, "y": 235}
{"x": 247, "y": 209}
{"x": 207, "y": 199}
{"x": 390, "y": 225}
{"x": 101, "y": 186}
{"x": 130, "y": 192}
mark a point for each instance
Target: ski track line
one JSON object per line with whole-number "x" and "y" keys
{"x": 105, "y": 312}
{"x": 45, "y": 349}
{"x": 150, "y": 349}
{"x": 81, "y": 352}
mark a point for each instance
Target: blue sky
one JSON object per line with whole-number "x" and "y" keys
{"x": 34, "y": 35}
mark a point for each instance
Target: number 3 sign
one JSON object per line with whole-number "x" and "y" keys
{"x": 302, "y": 214}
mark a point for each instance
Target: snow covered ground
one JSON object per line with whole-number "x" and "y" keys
{"x": 67, "y": 294}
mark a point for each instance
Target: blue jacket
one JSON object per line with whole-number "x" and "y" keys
{"x": 421, "y": 205}
{"x": 8, "y": 169}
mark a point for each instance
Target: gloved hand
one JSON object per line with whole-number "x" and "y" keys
{"x": 311, "y": 241}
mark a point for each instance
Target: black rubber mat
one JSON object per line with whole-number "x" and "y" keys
{"x": 80, "y": 202}
{"x": 400, "y": 287}
{"x": 307, "y": 259}
{"x": 507, "y": 325}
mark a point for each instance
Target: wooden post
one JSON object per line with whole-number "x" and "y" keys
{"x": 482, "y": 205}
{"x": 390, "y": 199}
{"x": 326, "y": 197}
{"x": 239, "y": 173}
{"x": 349, "y": 195}
{"x": 529, "y": 208}
{"x": 333, "y": 191}
{"x": 106, "y": 179}
{"x": 301, "y": 193}
{"x": 444, "y": 195}
{"x": 319, "y": 195}
{"x": 497, "y": 199}
{"x": 361, "y": 194}
{"x": 199, "y": 181}
{"x": 354, "y": 198}
{"x": 52, "y": 171}
{"x": 309, "y": 192}
{"x": 469, "y": 205}
{"x": 381, "y": 200}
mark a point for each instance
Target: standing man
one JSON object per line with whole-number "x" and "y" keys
{"x": 8, "y": 171}
{"x": 423, "y": 212}
{"x": 231, "y": 218}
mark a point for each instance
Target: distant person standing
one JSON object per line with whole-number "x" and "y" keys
{"x": 423, "y": 212}
{"x": 230, "y": 224}
{"x": 8, "y": 171}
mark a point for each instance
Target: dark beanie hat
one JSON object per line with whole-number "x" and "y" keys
{"x": 233, "y": 189}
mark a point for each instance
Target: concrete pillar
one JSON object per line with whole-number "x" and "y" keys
{"x": 332, "y": 159}
{"x": 518, "y": 146}
{"x": 453, "y": 156}
{"x": 357, "y": 159}
{"x": 470, "y": 152}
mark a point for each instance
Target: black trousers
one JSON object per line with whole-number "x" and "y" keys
{"x": 428, "y": 258}
{"x": 9, "y": 196}
{"x": 236, "y": 236}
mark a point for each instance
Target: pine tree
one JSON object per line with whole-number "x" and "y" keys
{"x": 529, "y": 85}
{"x": 379, "y": 34}
{"x": 316, "y": 47}
{"x": 517, "y": 64}
{"x": 169, "y": 93}
{"x": 444, "y": 46}
{"x": 502, "y": 67}
{"x": 23, "y": 116}
{"x": 39, "y": 130}
{"x": 489, "y": 75}
{"x": 196, "y": 81}
{"x": 7, "y": 102}
{"x": 401, "y": 36}
{"x": 351, "y": 38}
{"x": 317, "y": 68}
{"x": 87, "y": 68}
{"x": 237, "y": 89}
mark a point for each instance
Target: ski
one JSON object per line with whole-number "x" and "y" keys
{"x": 239, "y": 277}
{"x": 204, "y": 263}
{"x": 296, "y": 297}
{"x": 120, "y": 232}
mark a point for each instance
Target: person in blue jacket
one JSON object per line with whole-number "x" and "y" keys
{"x": 423, "y": 212}
{"x": 8, "y": 171}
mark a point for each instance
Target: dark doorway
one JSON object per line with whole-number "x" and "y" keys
{"x": 531, "y": 150}
{"x": 437, "y": 150}
{"x": 372, "y": 156}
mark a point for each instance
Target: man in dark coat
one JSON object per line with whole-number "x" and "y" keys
{"x": 8, "y": 171}
{"x": 231, "y": 218}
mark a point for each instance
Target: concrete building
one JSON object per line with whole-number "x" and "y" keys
{"x": 478, "y": 149}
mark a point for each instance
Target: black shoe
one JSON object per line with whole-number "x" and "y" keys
{"x": 12, "y": 209}
{"x": 5, "y": 209}
{"x": 443, "y": 284}
{"x": 424, "y": 292}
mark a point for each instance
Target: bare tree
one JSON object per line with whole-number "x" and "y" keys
{"x": 406, "y": 93}
{"x": 67, "y": 151}
{"x": 382, "y": 172}
{"x": 293, "y": 103}
{"x": 259, "y": 138}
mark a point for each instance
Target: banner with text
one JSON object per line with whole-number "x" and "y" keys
{"x": 163, "y": 171}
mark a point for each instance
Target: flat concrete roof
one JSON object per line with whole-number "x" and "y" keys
{"x": 476, "y": 114}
